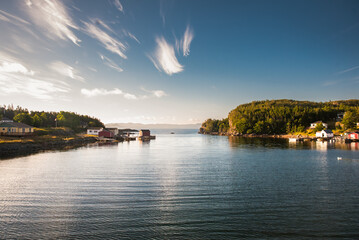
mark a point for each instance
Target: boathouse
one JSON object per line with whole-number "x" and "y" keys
{"x": 106, "y": 133}
{"x": 324, "y": 134}
{"x": 144, "y": 133}
{"x": 353, "y": 135}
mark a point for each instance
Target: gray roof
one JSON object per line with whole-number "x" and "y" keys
{"x": 15, "y": 124}
{"x": 95, "y": 128}
{"x": 328, "y": 131}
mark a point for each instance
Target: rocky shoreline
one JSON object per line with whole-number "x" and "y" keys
{"x": 16, "y": 149}
{"x": 250, "y": 135}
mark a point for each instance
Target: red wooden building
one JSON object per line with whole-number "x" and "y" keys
{"x": 353, "y": 135}
{"x": 145, "y": 133}
{"x": 106, "y": 133}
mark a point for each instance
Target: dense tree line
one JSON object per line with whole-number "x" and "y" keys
{"x": 215, "y": 126}
{"x": 285, "y": 116}
{"x": 49, "y": 119}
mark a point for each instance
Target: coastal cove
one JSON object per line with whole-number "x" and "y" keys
{"x": 184, "y": 186}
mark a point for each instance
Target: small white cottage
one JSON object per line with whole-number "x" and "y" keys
{"x": 94, "y": 130}
{"x": 324, "y": 134}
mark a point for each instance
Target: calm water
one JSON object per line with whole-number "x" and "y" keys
{"x": 183, "y": 186}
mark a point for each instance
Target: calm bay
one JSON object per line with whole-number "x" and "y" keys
{"x": 183, "y": 186}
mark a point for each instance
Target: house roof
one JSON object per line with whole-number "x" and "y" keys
{"x": 328, "y": 131}
{"x": 318, "y": 122}
{"x": 95, "y": 128}
{"x": 112, "y": 128}
{"x": 5, "y": 124}
{"x": 145, "y": 130}
{"x": 6, "y": 119}
{"x": 15, "y": 124}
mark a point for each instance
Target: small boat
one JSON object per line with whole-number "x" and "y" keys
{"x": 339, "y": 158}
{"x": 172, "y": 133}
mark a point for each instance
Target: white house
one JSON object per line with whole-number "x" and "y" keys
{"x": 324, "y": 134}
{"x": 313, "y": 125}
{"x": 94, "y": 130}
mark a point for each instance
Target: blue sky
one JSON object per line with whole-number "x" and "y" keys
{"x": 175, "y": 61}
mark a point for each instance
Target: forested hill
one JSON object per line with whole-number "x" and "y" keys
{"x": 47, "y": 119}
{"x": 284, "y": 116}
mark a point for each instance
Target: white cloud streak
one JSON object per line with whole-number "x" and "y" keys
{"x": 104, "y": 92}
{"x": 110, "y": 43}
{"x": 155, "y": 93}
{"x": 65, "y": 70}
{"x": 348, "y": 70}
{"x": 111, "y": 63}
{"x": 10, "y": 18}
{"x": 159, "y": 93}
{"x": 15, "y": 78}
{"x": 14, "y": 67}
{"x": 100, "y": 92}
{"x": 164, "y": 58}
{"x": 53, "y": 17}
{"x": 186, "y": 41}
{"x": 116, "y": 91}
{"x": 134, "y": 37}
{"x": 118, "y": 5}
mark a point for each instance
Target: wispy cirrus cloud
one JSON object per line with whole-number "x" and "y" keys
{"x": 5, "y": 16}
{"x": 100, "y": 92}
{"x": 130, "y": 35}
{"x": 14, "y": 67}
{"x": 164, "y": 58}
{"x": 53, "y": 17}
{"x": 16, "y": 78}
{"x": 116, "y": 91}
{"x": 348, "y": 70}
{"x": 104, "y": 92}
{"x": 186, "y": 41}
{"x": 118, "y": 5}
{"x": 110, "y": 43}
{"x": 111, "y": 63}
{"x": 65, "y": 70}
{"x": 154, "y": 93}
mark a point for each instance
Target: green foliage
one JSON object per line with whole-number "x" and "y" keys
{"x": 319, "y": 127}
{"x": 37, "y": 120}
{"x": 284, "y": 116}
{"x": 212, "y": 126}
{"x": 23, "y": 118}
{"x": 350, "y": 119}
{"x": 47, "y": 119}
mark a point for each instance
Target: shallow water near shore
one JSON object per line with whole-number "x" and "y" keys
{"x": 183, "y": 186}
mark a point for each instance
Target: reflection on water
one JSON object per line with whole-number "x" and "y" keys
{"x": 183, "y": 187}
{"x": 238, "y": 142}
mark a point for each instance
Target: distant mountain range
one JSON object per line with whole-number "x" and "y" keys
{"x": 153, "y": 126}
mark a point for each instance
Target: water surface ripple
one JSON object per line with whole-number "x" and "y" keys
{"x": 183, "y": 186}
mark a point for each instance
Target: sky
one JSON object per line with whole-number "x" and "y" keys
{"x": 175, "y": 61}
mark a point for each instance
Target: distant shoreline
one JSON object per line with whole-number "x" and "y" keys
{"x": 286, "y": 136}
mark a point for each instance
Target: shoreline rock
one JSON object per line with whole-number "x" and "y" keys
{"x": 16, "y": 149}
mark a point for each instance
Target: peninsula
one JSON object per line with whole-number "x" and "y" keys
{"x": 285, "y": 117}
